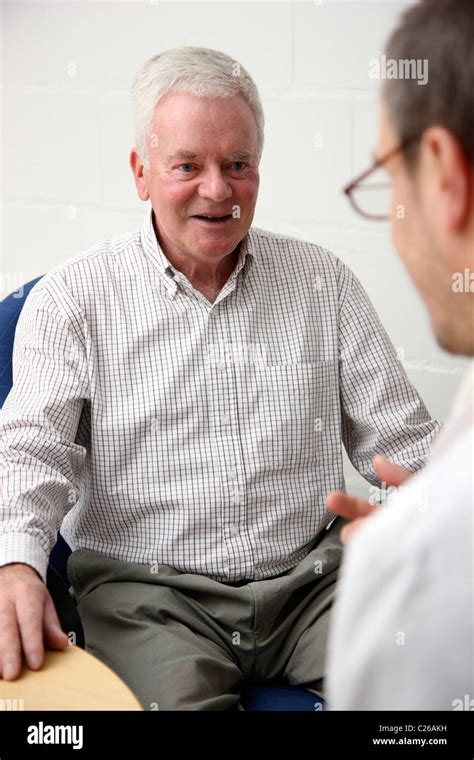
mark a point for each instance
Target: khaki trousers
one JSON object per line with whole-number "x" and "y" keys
{"x": 185, "y": 642}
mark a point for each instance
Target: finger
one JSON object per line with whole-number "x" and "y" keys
{"x": 391, "y": 474}
{"x": 347, "y": 532}
{"x": 10, "y": 643}
{"x": 29, "y": 607}
{"x": 54, "y": 635}
{"x": 348, "y": 506}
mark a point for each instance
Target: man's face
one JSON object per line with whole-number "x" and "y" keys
{"x": 421, "y": 233}
{"x": 203, "y": 161}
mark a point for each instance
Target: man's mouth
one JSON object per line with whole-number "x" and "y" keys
{"x": 213, "y": 218}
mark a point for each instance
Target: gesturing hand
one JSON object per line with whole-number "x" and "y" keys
{"x": 358, "y": 510}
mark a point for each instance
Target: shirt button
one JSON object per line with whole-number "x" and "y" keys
{"x": 232, "y": 474}
{"x": 234, "y": 530}
{"x": 226, "y": 419}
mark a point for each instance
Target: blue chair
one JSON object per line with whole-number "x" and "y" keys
{"x": 254, "y": 697}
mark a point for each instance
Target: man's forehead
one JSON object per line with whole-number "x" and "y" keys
{"x": 199, "y": 135}
{"x": 176, "y": 113}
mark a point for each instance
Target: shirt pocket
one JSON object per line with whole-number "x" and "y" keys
{"x": 292, "y": 411}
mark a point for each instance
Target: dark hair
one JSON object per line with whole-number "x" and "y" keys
{"x": 442, "y": 32}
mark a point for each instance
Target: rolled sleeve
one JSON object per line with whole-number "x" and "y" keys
{"x": 382, "y": 413}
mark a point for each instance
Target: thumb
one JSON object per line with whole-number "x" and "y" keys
{"x": 391, "y": 474}
{"x": 53, "y": 634}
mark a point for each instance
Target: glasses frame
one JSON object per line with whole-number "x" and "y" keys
{"x": 355, "y": 183}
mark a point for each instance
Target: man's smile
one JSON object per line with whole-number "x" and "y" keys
{"x": 212, "y": 220}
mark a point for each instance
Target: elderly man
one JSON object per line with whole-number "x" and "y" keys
{"x": 182, "y": 395}
{"x": 403, "y": 626}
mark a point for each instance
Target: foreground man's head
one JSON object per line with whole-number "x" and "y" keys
{"x": 432, "y": 213}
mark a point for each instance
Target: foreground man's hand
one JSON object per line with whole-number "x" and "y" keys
{"x": 357, "y": 510}
{"x": 28, "y": 620}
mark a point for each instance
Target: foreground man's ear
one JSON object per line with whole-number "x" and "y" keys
{"x": 452, "y": 173}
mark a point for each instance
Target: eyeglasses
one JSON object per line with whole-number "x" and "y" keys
{"x": 371, "y": 198}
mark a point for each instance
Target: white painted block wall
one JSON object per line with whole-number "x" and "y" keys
{"x": 67, "y": 130}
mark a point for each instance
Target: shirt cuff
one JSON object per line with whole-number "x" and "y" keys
{"x": 21, "y": 547}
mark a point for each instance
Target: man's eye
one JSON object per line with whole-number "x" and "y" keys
{"x": 186, "y": 168}
{"x": 239, "y": 165}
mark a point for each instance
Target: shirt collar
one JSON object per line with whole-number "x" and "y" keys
{"x": 151, "y": 246}
{"x": 153, "y": 249}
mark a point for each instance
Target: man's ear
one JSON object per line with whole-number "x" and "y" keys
{"x": 137, "y": 170}
{"x": 452, "y": 173}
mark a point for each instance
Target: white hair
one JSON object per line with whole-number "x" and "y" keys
{"x": 196, "y": 70}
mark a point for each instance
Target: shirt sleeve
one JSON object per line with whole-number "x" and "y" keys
{"x": 382, "y": 413}
{"x": 40, "y": 463}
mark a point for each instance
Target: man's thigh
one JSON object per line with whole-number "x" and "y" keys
{"x": 307, "y": 642}
{"x": 294, "y": 643}
{"x": 167, "y": 648}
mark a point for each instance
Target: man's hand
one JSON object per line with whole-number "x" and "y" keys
{"x": 28, "y": 620}
{"x": 358, "y": 510}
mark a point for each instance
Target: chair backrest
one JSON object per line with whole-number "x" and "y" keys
{"x": 10, "y": 309}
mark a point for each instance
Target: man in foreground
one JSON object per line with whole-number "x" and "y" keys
{"x": 403, "y": 624}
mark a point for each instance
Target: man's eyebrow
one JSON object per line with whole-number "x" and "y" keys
{"x": 182, "y": 154}
{"x": 239, "y": 154}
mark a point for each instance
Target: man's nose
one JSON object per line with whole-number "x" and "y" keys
{"x": 214, "y": 186}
